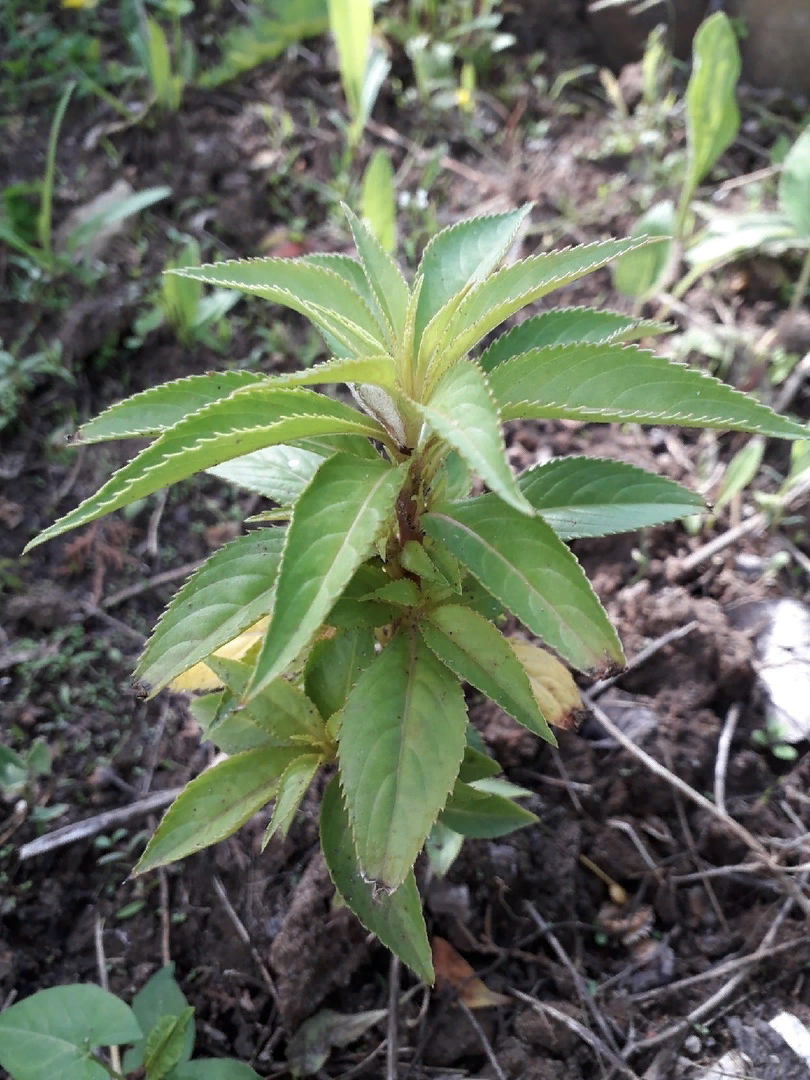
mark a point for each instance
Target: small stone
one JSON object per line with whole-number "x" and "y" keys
{"x": 692, "y": 1045}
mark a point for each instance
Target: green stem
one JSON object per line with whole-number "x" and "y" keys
{"x": 801, "y": 284}
{"x": 44, "y": 219}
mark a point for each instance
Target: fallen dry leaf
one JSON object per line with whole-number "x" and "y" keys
{"x": 453, "y": 970}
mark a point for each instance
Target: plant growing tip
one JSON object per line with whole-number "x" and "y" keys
{"x": 341, "y": 635}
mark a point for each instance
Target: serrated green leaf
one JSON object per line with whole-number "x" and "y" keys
{"x": 638, "y": 273}
{"x": 384, "y": 276}
{"x": 322, "y": 294}
{"x": 568, "y": 326}
{"x": 712, "y": 116}
{"x": 460, "y": 257}
{"x": 352, "y": 612}
{"x": 216, "y": 803}
{"x": 214, "y": 1069}
{"x": 281, "y": 710}
{"x": 580, "y": 496}
{"x": 236, "y": 732}
{"x": 160, "y": 408}
{"x": 160, "y": 996}
{"x": 292, "y": 787}
{"x": 794, "y": 185}
{"x": 279, "y": 473}
{"x": 512, "y": 288}
{"x": 521, "y": 561}
{"x": 415, "y": 559}
{"x": 608, "y": 383}
{"x": 402, "y": 593}
{"x": 480, "y": 814}
{"x": 477, "y": 652}
{"x": 246, "y": 421}
{"x": 741, "y": 470}
{"x": 232, "y": 591}
{"x": 376, "y": 370}
{"x": 463, "y": 411}
{"x": 53, "y": 1033}
{"x": 378, "y": 199}
{"x": 396, "y": 918}
{"x": 477, "y": 765}
{"x": 165, "y": 1044}
{"x": 334, "y": 524}
{"x": 397, "y": 762}
{"x": 334, "y": 665}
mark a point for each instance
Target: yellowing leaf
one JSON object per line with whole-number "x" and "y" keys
{"x": 553, "y": 687}
{"x": 452, "y": 969}
{"x": 201, "y": 677}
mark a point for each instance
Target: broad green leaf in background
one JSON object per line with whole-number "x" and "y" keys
{"x": 292, "y": 787}
{"x": 351, "y": 22}
{"x": 462, "y": 256}
{"x": 729, "y": 235}
{"x": 463, "y": 411}
{"x": 401, "y": 742}
{"x": 378, "y": 200}
{"x": 637, "y": 273}
{"x": 214, "y": 1069}
{"x": 216, "y": 803}
{"x": 794, "y": 185}
{"x": 165, "y": 1043}
{"x": 712, "y": 116}
{"x": 524, "y": 565}
{"x": 54, "y": 1032}
{"x": 568, "y": 326}
{"x": 384, "y": 276}
{"x": 615, "y": 383}
{"x": 442, "y": 848}
{"x": 224, "y": 430}
{"x": 479, "y": 654}
{"x": 333, "y": 666}
{"x": 335, "y": 522}
{"x": 477, "y": 813}
{"x": 740, "y": 471}
{"x": 582, "y": 496}
{"x": 279, "y": 473}
{"x": 159, "y": 996}
{"x": 228, "y": 594}
{"x": 395, "y": 917}
{"x": 155, "y": 410}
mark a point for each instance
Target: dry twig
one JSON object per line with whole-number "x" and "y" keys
{"x": 104, "y": 982}
{"x": 721, "y": 762}
{"x": 239, "y": 926}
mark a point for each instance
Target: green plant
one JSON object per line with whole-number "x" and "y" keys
{"x": 341, "y": 638}
{"x": 151, "y": 47}
{"x": 19, "y": 774}
{"x": 18, "y": 377}
{"x": 192, "y": 315}
{"x": 363, "y": 65}
{"x": 57, "y": 1033}
{"x": 772, "y": 739}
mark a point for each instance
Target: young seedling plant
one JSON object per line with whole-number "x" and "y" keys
{"x": 342, "y": 637}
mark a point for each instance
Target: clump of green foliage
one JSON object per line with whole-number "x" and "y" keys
{"x": 341, "y": 638}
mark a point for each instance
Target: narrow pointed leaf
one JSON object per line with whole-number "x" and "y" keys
{"x": 334, "y": 666}
{"x": 401, "y": 739}
{"x": 159, "y": 996}
{"x": 527, "y": 568}
{"x": 384, "y": 276}
{"x": 376, "y": 370}
{"x": 623, "y": 383}
{"x": 165, "y": 1042}
{"x": 463, "y": 411}
{"x": 713, "y": 118}
{"x": 483, "y": 815}
{"x": 477, "y": 652}
{"x": 568, "y": 326}
{"x": 236, "y": 732}
{"x": 477, "y": 765}
{"x": 794, "y": 185}
{"x": 228, "y": 594}
{"x": 248, "y": 420}
{"x": 396, "y": 918}
{"x": 216, "y": 803}
{"x": 279, "y": 472}
{"x": 461, "y": 256}
{"x": 334, "y": 524}
{"x": 294, "y": 283}
{"x": 156, "y": 410}
{"x": 580, "y": 496}
{"x": 512, "y": 288}
{"x": 53, "y": 1032}
{"x": 293, "y": 786}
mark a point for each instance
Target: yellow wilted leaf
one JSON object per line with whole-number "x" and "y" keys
{"x": 553, "y": 687}
{"x": 201, "y": 677}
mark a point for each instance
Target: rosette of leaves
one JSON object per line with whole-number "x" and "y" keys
{"x": 340, "y": 631}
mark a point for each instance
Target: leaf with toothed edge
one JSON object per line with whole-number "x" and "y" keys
{"x": 248, "y": 420}
{"x": 401, "y": 741}
{"x": 279, "y": 472}
{"x": 615, "y": 383}
{"x": 527, "y": 567}
{"x": 395, "y": 917}
{"x": 292, "y": 788}
{"x": 384, "y": 276}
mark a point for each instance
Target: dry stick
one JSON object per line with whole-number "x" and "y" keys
{"x": 79, "y": 830}
{"x": 641, "y": 658}
{"x": 485, "y": 1043}
{"x": 243, "y": 934}
{"x": 165, "y": 946}
{"x": 154, "y": 749}
{"x": 789, "y": 886}
{"x": 104, "y": 982}
{"x": 151, "y": 583}
{"x": 721, "y": 761}
{"x": 587, "y": 1036}
{"x": 579, "y": 983}
{"x": 391, "y": 1070}
{"x": 151, "y": 543}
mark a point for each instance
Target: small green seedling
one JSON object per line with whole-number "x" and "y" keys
{"x": 167, "y": 78}
{"x": 772, "y": 739}
{"x": 342, "y": 637}
{"x": 191, "y": 314}
{"x": 363, "y": 65}
{"x": 57, "y": 1033}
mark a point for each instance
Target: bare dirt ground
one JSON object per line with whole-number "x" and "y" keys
{"x": 703, "y": 913}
